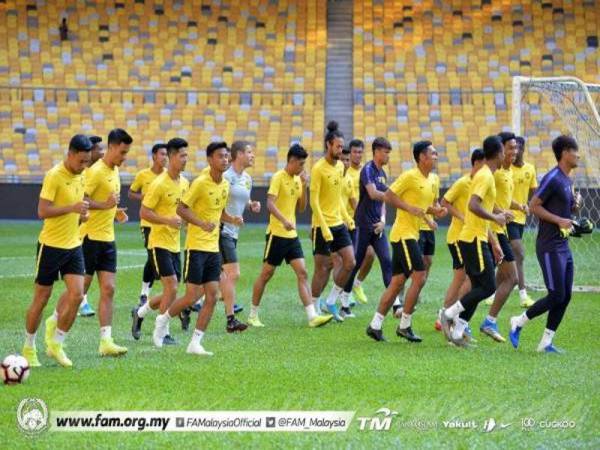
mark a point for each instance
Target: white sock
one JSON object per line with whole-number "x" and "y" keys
{"x": 311, "y": 312}
{"x": 454, "y": 310}
{"x": 377, "y": 321}
{"x": 30, "y": 339}
{"x": 106, "y": 332}
{"x": 398, "y": 301}
{"x": 55, "y": 315}
{"x": 144, "y": 309}
{"x": 197, "y": 336}
{"x": 523, "y": 294}
{"x": 522, "y": 320}
{"x": 200, "y": 301}
{"x": 84, "y": 301}
{"x": 546, "y": 339}
{"x": 491, "y": 318}
{"x": 460, "y": 326}
{"x": 334, "y": 294}
{"x": 357, "y": 282}
{"x": 316, "y": 301}
{"x": 164, "y": 318}
{"x": 59, "y": 336}
{"x": 405, "y": 320}
{"x": 253, "y": 311}
{"x": 345, "y": 299}
{"x": 145, "y": 289}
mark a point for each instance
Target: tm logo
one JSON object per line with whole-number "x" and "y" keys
{"x": 378, "y": 423}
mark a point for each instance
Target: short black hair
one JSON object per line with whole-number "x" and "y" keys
{"x": 333, "y": 131}
{"x": 238, "y": 146}
{"x": 520, "y": 141}
{"x": 297, "y": 151}
{"x": 345, "y": 150}
{"x": 95, "y": 139}
{"x": 563, "y": 143}
{"x": 477, "y": 155}
{"x": 506, "y": 136}
{"x": 492, "y": 145}
{"x": 175, "y": 144}
{"x": 80, "y": 143}
{"x": 356, "y": 143}
{"x": 381, "y": 142}
{"x": 157, "y": 147}
{"x": 214, "y": 146}
{"x": 419, "y": 148}
{"x": 119, "y": 136}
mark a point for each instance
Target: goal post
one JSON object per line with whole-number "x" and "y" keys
{"x": 542, "y": 109}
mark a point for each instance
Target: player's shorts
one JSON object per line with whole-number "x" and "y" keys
{"x": 406, "y": 257}
{"x": 477, "y": 257}
{"x": 166, "y": 263}
{"x": 353, "y": 236}
{"x": 427, "y": 242}
{"x": 457, "y": 261}
{"x": 509, "y": 256}
{"x": 341, "y": 239}
{"x": 99, "y": 256}
{"x": 52, "y": 261}
{"x": 145, "y": 236}
{"x": 515, "y": 230}
{"x": 202, "y": 267}
{"x": 278, "y": 248}
{"x": 228, "y": 249}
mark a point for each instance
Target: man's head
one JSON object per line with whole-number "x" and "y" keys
{"x": 118, "y": 146}
{"x": 79, "y": 155}
{"x": 477, "y": 159}
{"x": 381, "y": 150}
{"x": 357, "y": 148}
{"x": 566, "y": 150}
{"x": 217, "y": 155}
{"x": 296, "y": 158}
{"x": 334, "y": 140}
{"x": 159, "y": 154}
{"x": 509, "y": 141}
{"x": 177, "y": 153}
{"x": 345, "y": 158}
{"x": 493, "y": 150}
{"x": 244, "y": 152}
{"x": 520, "y": 149}
{"x": 425, "y": 155}
{"x": 97, "y": 149}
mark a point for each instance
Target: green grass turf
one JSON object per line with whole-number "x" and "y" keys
{"x": 287, "y": 366}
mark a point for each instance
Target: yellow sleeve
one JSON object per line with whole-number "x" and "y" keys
{"x": 152, "y": 196}
{"x": 48, "y": 191}
{"x": 452, "y": 194}
{"x": 275, "y": 186}
{"x": 137, "y": 183}
{"x": 315, "y": 187}
{"x": 482, "y": 185}
{"x": 533, "y": 183}
{"x": 91, "y": 182}
{"x": 400, "y": 184}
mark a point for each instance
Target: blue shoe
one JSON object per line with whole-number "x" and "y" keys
{"x": 196, "y": 307}
{"x": 515, "y": 332}
{"x": 237, "y": 308}
{"x": 468, "y": 335}
{"x": 552, "y": 349}
{"x": 491, "y": 329}
{"x": 333, "y": 310}
{"x": 86, "y": 311}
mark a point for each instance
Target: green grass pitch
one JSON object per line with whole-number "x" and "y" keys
{"x": 287, "y": 366}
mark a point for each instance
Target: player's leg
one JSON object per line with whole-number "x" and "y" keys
{"x": 323, "y": 265}
{"x": 90, "y": 255}
{"x": 107, "y": 346}
{"x": 360, "y": 247}
{"x": 258, "y": 290}
{"x": 33, "y": 317}
{"x": 515, "y": 234}
{"x": 418, "y": 276}
{"x": 210, "y": 298}
{"x": 296, "y": 260}
{"x": 148, "y": 274}
{"x": 365, "y": 269}
{"x": 229, "y": 277}
{"x": 342, "y": 245}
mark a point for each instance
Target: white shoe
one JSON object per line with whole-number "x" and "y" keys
{"x": 197, "y": 349}
{"x": 161, "y": 329}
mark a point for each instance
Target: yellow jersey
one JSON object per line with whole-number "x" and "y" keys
{"x": 458, "y": 196}
{"x": 141, "y": 183}
{"x": 348, "y": 193}
{"x": 484, "y": 187}
{"x": 162, "y": 196}
{"x": 435, "y": 179}
{"x": 504, "y": 194}
{"x": 62, "y": 188}
{"x": 326, "y": 193}
{"x": 100, "y": 182}
{"x": 417, "y": 190}
{"x": 524, "y": 180}
{"x": 287, "y": 190}
{"x": 355, "y": 175}
{"x": 207, "y": 200}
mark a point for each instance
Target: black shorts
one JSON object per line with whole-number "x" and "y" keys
{"x": 166, "y": 263}
{"x": 99, "y": 256}
{"x": 406, "y": 257}
{"x": 202, "y": 267}
{"x": 145, "y": 236}
{"x": 427, "y": 242}
{"x": 341, "y": 239}
{"x": 515, "y": 230}
{"x": 509, "y": 256}
{"x": 50, "y": 261}
{"x": 228, "y": 249}
{"x": 279, "y": 248}
{"x": 457, "y": 261}
{"x": 353, "y": 236}
{"x": 477, "y": 257}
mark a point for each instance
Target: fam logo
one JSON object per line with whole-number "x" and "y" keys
{"x": 381, "y": 422}
{"x": 32, "y": 416}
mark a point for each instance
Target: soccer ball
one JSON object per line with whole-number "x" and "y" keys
{"x": 15, "y": 369}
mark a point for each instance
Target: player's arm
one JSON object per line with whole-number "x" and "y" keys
{"x": 136, "y": 196}
{"x": 151, "y": 216}
{"x": 373, "y": 193}
{"x": 353, "y": 202}
{"x": 349, "y": 221}
{"x": 452, "y": 210}
{"x": 303, "y": 200}
{"x": 315, "y": 205}
{"x": 476, "y": 208}
{"x": 271, "y": 199}
{"x": 46, "y": 209}
{"x": 538, "y": 210}
{"x": 390, "y": 198}
{"x": 185, "y": 212}
{"x": 496, "y": 249}
{"x": 234, "y": 220}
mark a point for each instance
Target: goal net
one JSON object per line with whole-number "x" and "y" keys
{"x": 542, "y": 109}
